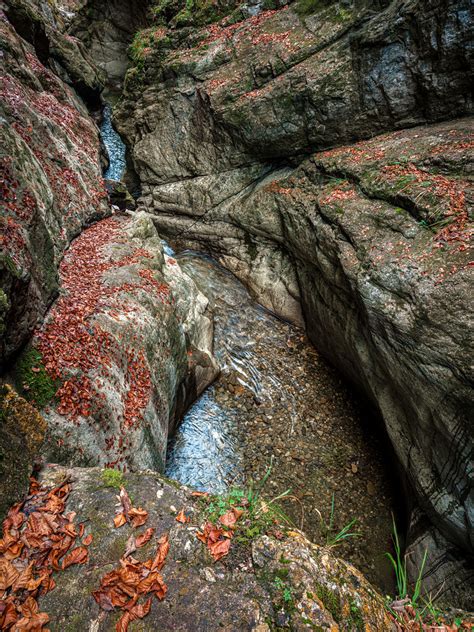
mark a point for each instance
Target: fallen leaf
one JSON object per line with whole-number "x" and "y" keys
{"x": 143, "y": 538}
{"x": 123, "y": 622}
{"x": 163, "y": 548}
{"x": 137, "y": 516}
{"x": 88, "y": 540}
{"x": 78, "y": 555}
{"x": 219, "y": 549}
{"x": 119, "y": 520}
{"x": 181, "y": 517}
{"x": 125, "y": 500}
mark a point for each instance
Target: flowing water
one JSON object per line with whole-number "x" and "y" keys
{"x": 115, "y": 146}
{"x": 278, "y": 402}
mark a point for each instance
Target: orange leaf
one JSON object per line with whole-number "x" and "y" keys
{"x": 122, "y": 623}
{"x": 79, "y": 555}
{"x": 119, "y": 520}
{"x": 160, "y": 557}
{"x": 24, "y": 578}
{"x": 88, "y": 540}
{"x": 228, "y": 519}
{"x": 142, "y": 539}
{"x": 140, "y": 610}
{"x": 137, "y": 516}
{"x": 181, "y": 517}
{"x": 219, "y": 549}
{"x": 8, "y": 615}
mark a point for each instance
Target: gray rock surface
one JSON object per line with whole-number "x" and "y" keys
{"x": 241, "y": 592}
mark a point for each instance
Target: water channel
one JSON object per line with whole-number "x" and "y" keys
{"x": 278, "y": 402}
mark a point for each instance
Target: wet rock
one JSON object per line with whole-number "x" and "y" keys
{"x": 119, "y": 195}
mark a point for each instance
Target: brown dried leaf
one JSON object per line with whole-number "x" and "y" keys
{"x": 181, "y": 517}
{"x": 219, "y": 549}
{"x": 137, "y": 516}
{"x": 143, "y": 538}
{"x": 119, "y": 520}
{"x": 162, "y": 552}
{"x": 79, "y": 555}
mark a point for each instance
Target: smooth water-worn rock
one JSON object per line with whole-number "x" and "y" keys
{"x": 52, "y": 181}
{"x": 244, "y": 591}
{"x": 367, "y": 243}
{"x": 127, "y": 347}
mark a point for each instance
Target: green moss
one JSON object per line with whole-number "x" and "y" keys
{"x": 112, "y": 478}
{"x": 356, "y": 617}
{"x": 34, "y": 383}
{"x": 307, "y": 7}
{"x": 331, "y": 602}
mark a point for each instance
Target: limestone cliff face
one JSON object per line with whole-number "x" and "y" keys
{"x": 52, "y": 181}
{"x": 368, "y": 243}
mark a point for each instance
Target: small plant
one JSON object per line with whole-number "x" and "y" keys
{"x": 112, "y": 478}
{"x": 399, "y": 564}
{"x": 258, "y": 514}
{"x": 334, "y": 538}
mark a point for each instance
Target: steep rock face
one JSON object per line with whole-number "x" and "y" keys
{"x": 22, "y": 431}
{"x": 127, "y": 346}
{"x": 369, "y": 242}
{"x": 52, "y": 184}
{"x": 240, "y": 593}
{"x": 107, "y": 30}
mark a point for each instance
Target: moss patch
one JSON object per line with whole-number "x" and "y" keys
{"x": 33, "y": 381}
{"x": 331, "y": 601}
{"x": 112, "y": 478}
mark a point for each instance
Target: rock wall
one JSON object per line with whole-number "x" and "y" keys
{"x": 368, "y": 243}
{"x": 51, "y": 177}
{"x": 107, "y": 30}
{"x": 22, "y": 431}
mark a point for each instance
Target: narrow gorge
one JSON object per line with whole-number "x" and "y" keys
{"x": 236, "y": 315}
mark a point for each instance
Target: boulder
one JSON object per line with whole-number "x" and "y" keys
{"x": 22, "y": 431}
{"x": 123, "y": 351}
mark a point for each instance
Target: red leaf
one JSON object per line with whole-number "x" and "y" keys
{"x": 181, "y": 517}
{"x": 219, "y": 549}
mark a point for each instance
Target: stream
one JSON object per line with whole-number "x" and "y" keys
{"x": 278, "y": 403}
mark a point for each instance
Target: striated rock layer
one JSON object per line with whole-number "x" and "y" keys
{"x": 367, "y": 243}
